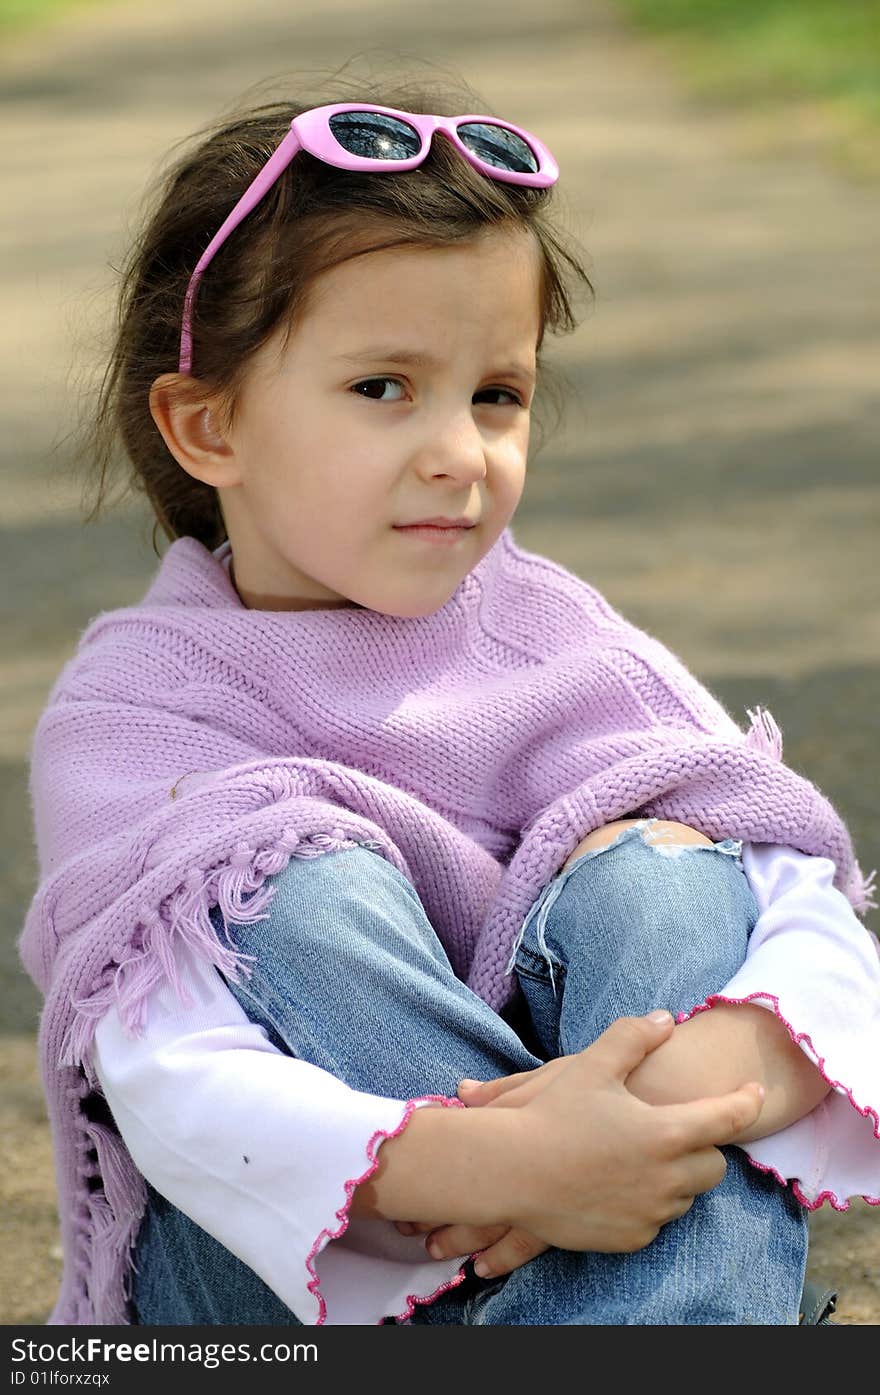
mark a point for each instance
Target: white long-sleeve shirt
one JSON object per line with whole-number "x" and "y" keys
{"x": 264, "y": 1151}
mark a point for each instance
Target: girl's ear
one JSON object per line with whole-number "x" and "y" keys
{"x": 190, "y": 430}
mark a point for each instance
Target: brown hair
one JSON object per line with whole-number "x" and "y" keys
{"x": 312, "y": 219}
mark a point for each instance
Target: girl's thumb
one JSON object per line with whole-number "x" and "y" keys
{"x": 626, "y": 1043}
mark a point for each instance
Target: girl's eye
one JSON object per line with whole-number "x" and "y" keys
{"x": 367, "y": 388}
{"x": 372, "y": 383}
{"x": 508, "y": 392}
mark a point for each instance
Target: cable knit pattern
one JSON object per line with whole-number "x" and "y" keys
{"x": 191, "y": 746}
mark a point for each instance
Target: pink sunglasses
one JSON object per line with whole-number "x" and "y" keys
{"x": 361, "y": 136}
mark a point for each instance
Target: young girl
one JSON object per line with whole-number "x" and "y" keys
{"x": 363, "y": 800}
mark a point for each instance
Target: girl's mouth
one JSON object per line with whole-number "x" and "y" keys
{"x": 435, "y": 533}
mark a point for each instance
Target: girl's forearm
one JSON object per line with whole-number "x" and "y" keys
{"x": 459, "y": 1163}
{"x": 722, "y": 1048}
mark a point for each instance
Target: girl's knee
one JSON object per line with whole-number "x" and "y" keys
{"x": 334, "y": 869}
{"x": 649, "y": 907}
{"x": 344, "y": 876}
{"x": 351, "y": 908}
{"x": 692, "y": 894}
{"x": 653, "y": 831}
{"x": 335, "y": 891}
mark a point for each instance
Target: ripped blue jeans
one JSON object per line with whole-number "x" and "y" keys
{"x": 621, "y": 930}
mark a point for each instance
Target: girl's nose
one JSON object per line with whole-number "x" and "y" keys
{"x": 456, "y": 449}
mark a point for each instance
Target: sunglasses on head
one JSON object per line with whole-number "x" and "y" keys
{"x": 361, "y": 136}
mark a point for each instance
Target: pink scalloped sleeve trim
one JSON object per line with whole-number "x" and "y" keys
{"x": 314, "y": 1285}
{"x": 412, "y": 1299}
{"x": 866, "y": 1111}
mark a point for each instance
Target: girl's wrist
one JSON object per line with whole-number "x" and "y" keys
{"x": 448, "y": 1165}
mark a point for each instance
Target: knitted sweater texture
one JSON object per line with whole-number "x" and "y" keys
{"x": 191, "y": 746}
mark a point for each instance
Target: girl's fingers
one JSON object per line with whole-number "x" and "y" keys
{"x": 451, "y": 1241}
{"x": 713, "y": 1121}
{"x": 482, "y": 1091}
{"x": 497, "y": 1250}
{"x": 511, "y": 1251}
{"x": 413, "y": 1227}
{"x": 701, "y": 1171}
{"x": 620, "y": 1049}
{"x": 527, "y": 1082}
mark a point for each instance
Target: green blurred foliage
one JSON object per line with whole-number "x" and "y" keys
{"x": 775, "y": 52}
{"x": 20, "y": 15}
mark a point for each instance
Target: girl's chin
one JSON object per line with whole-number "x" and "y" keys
{"x": 411, "y": 605}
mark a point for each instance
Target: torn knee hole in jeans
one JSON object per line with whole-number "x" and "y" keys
{"x": 662, "y": 841}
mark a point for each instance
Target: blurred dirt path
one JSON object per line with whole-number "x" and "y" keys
{"x": 716, "y": 476}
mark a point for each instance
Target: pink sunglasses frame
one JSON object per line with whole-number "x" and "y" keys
{"x": 310, "y": 131}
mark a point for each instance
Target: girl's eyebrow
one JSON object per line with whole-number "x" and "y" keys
{"x": 389, "y": 354}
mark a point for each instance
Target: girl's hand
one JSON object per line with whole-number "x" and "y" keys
{"x": 504, "y": 1248}
{"x": 567, "y": 1153}
{"x": 500, "y": 1248}
{"x": 614, "y": 1169}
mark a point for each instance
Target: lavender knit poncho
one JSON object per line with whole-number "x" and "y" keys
{"x": 192, "y": 746}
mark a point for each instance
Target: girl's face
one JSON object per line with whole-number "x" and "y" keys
{"x": 403, "y": 394}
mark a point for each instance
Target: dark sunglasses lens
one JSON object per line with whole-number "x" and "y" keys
{"x": 499, "y": 147}
{"x": 374, "y": 136}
